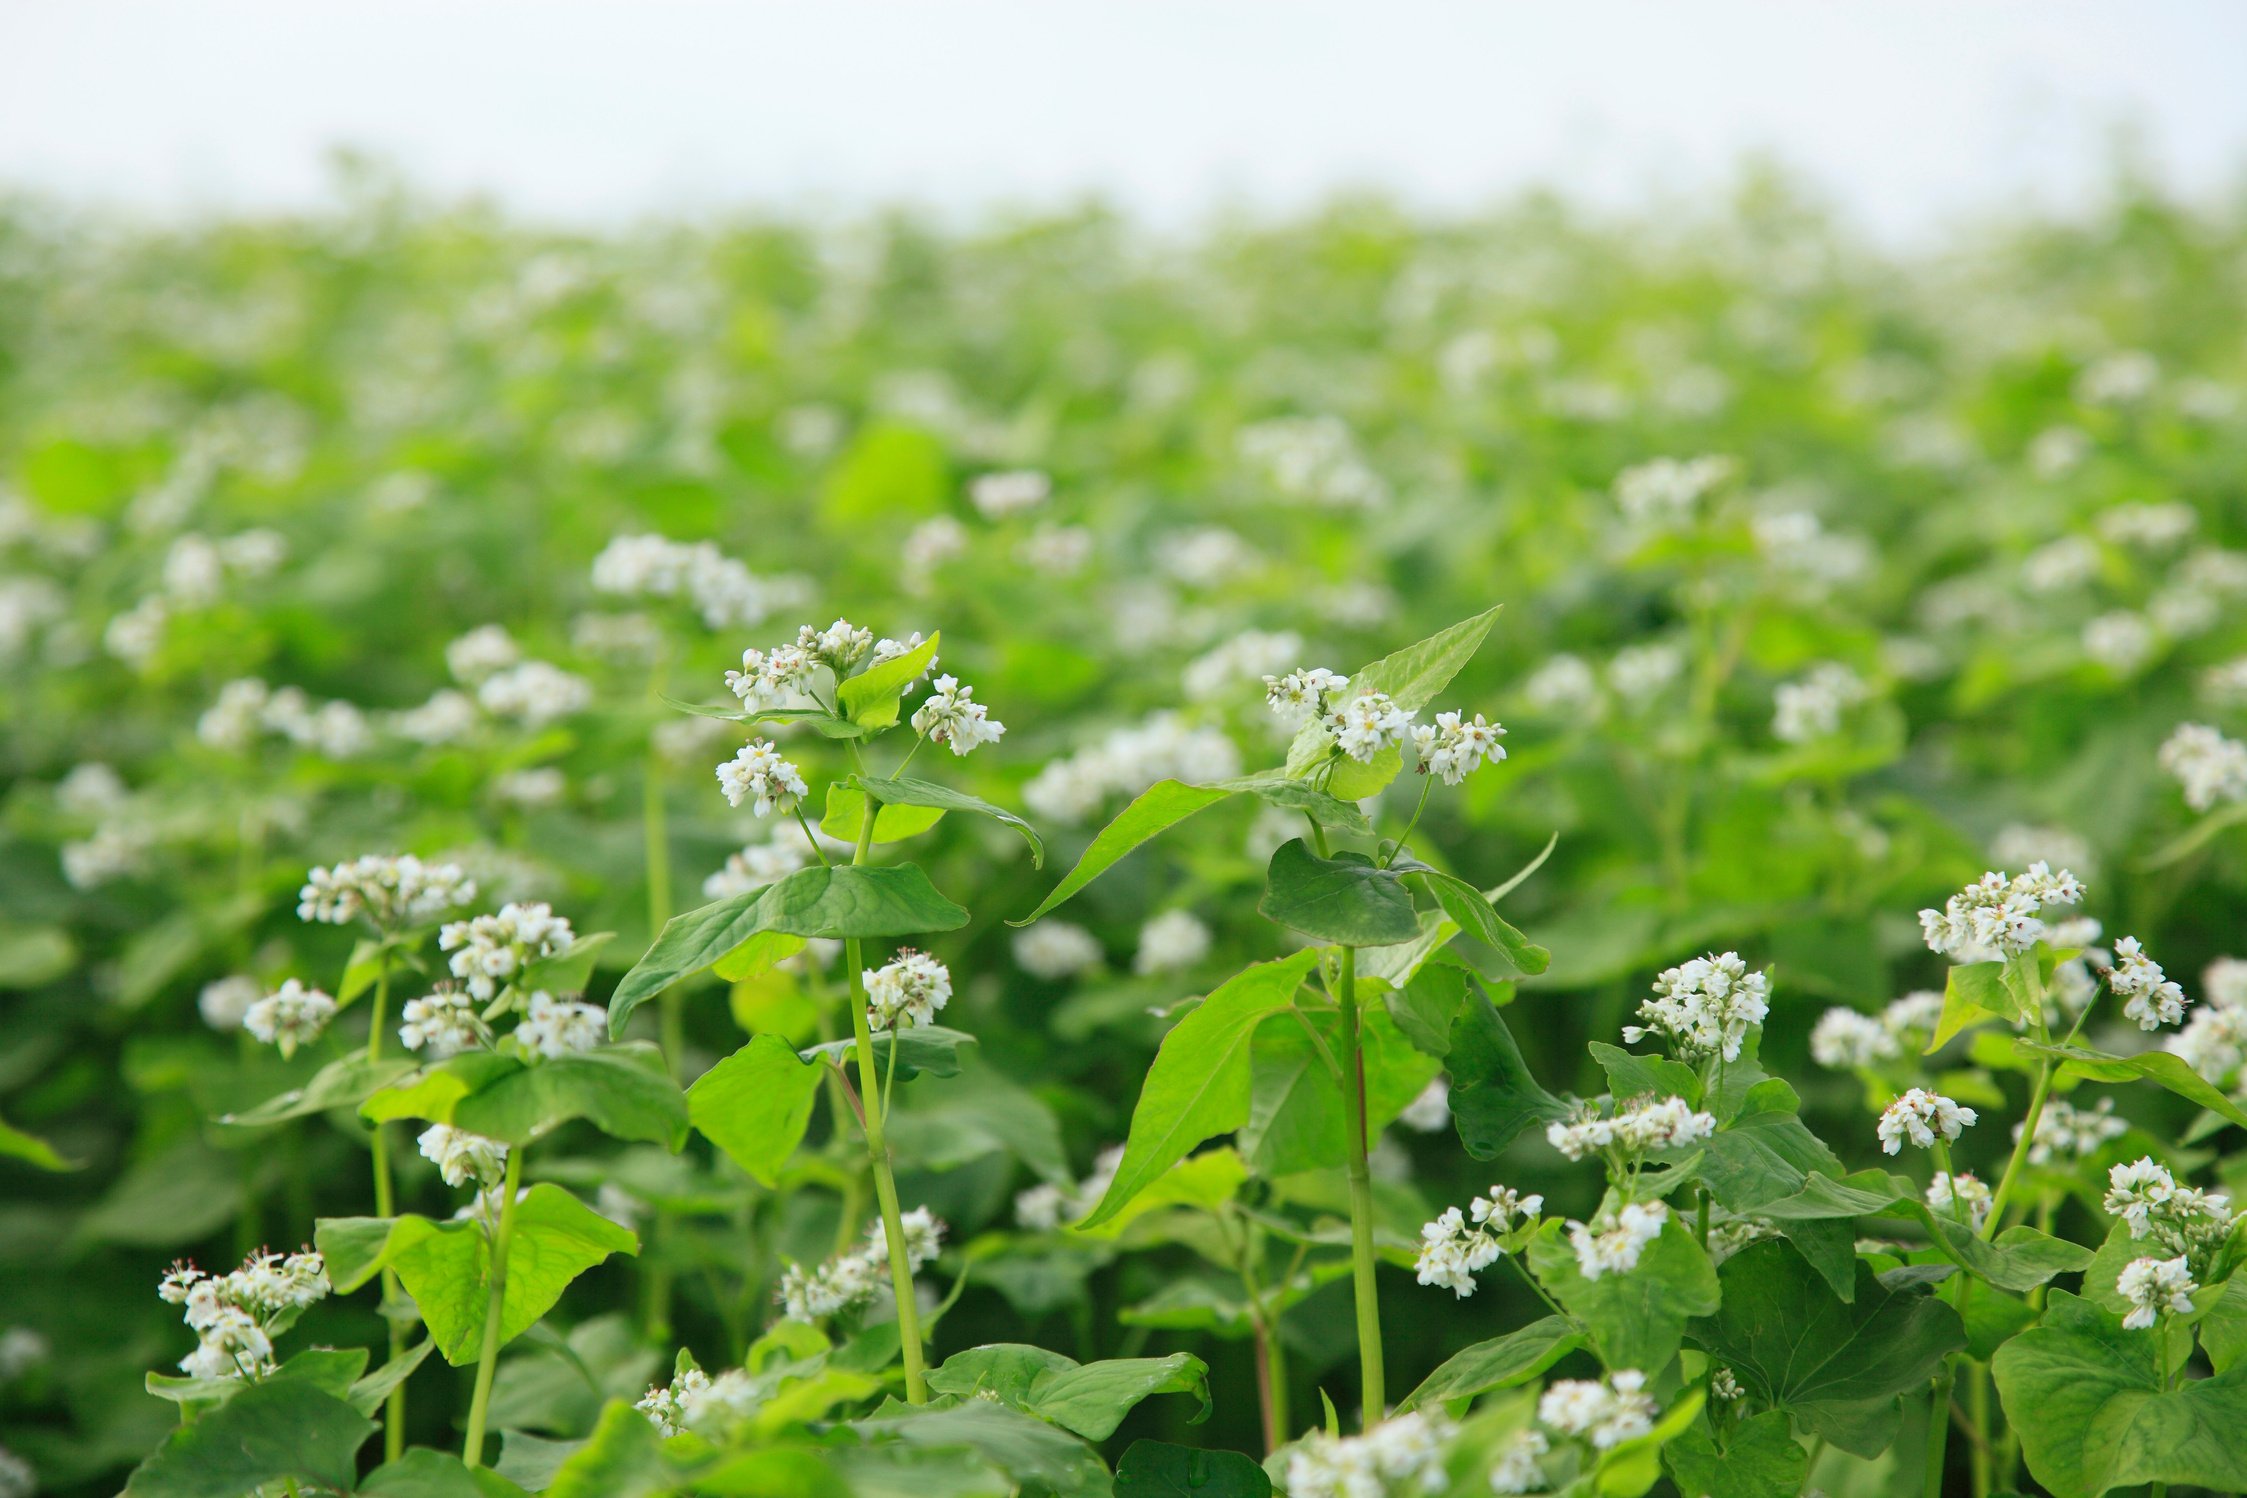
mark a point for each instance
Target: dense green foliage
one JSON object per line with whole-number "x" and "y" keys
{"x": 1808, "y": 582}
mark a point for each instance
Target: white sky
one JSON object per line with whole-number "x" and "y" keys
{"x": 1909, "y": 112}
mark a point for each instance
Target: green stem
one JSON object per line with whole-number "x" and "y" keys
{"x": 655, "y": 828}
{"x": 1938, "y": 1432}
{"x": 487, "y": 1356}
{"x": 2020, "y": 1149}
{"x": 1978, "y": 1411}
{"x": 877, "y": 1147}
{"x": 394, "y": 1408}
{"x": 1373, "y": 1390}
{"x": 1427, "y": 783}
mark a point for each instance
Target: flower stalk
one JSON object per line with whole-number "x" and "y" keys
{"x": 487, "y": 1356}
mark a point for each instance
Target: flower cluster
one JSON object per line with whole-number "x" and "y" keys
{"x": 1454, "y": 748}
{"x": 1665, "y": 490}
{"x": 236, "y": 1316}
{"x": 1170, "y": 940}
{"x": 534, "y": 693}
{"x": 721, "y": 589}
{"x": 2210, "y": 767}
{"x": 788, "y": 850}
{"x": 1919, "y": 1115}
{"x": 2065, "y": 1132}
{"x": 950, "y": 715}
{"x": 1451, "y": 1252}
{"x": 462, "y": 1158}
{"x": 1302, "y": 695}
{"x": 248, "y": 707}
{"x": 1996, "y": 916}
{"x": 289, "y": 1017}
{"x": 2180, "y": 1220}
{"x": 441, "y": 1022}
{"x": 672, "y": 1407}
{"x": 559, "y": 1027}
{"x": 1963, "y": 1196}
{"x": 1641, "y": 1128}
{"x": 389, "y": 893}
{"x": 1606, "y": 1413}
{"x": 1056, "y": 949}
{"x": 1519, "y": 1467}
{"x": 853, "y": 1279}
{"x": 2155, "y": 1288}
{"x": 906, "y": 992}
{"x": 1811, "y": 709}
{"x": 490, "y": 951}
{"x": 1008, "y": 492}
{"x": 1127, "y": 760}
{"x": 1612, "y": 1241}
{"x": 1045, "y": 1206}
{"x": 2151, "y": 997}
{"x": 757, "y": 774}
{"x": 1704, "y": 1007}
{"x": 1393, "y": 1459}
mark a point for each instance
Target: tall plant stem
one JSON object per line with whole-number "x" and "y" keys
{"x": 655, "y": 828}
{"x": 2020, "y": 1149}
{"x": 487, "y": 1356}
{"x": 1361, "y": 1198}
{"x": 877, "y": 1147}
{"x": 1938, "y": 1431}
{"x": 394, "y": 1408}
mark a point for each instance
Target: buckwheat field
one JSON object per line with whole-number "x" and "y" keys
{"x": 1353, "y": 857}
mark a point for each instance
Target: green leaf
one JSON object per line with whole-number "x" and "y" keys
{"x": 1429, "y": 1005}
{"x": 1035, "y": 1454}
{"x": 870, "y": 699}
{"x": 1493, "y": 1096}
{"x": 1154, "y": 810}
{"x": 343, "y": 1083}
{"x": 2165, "y": 1068}
{"x": 1296, "y": 1117}
{"x": 1764, "y": 1154}
{"x": 569, "y": 972}
{"x": 897, "y": 795}
{"x": 331, "y": 1370}
{"x": 1157, "y": 1469}
{"x": 34, "y": 956}
{"x": 1274, "y": 788}
{"x": 1837, "y": 1366}
{"x": 1499, "y": 1363}
{"x": 272, "y": 1432}
{"x": 1466, "y": 905}
{"x": 1199, "y": 1084}
{"x": 755, "y": 1105}
{"x": 1630, "y": 1075}
{"x": 367, "y": 1394}
{"x": 15, "y": 1144}
{"x": 2223, "y": 1323}
{"x": 1344, "y": 900}
{"x": 446, "y": 1266}
{"x": 1972, "y": 992}
{"x": 1205, "y": 1181}
{"x": 623, "y": 1458}
{"x": 828, "y": 902}
{"x": 2087, "y": 1399}
{"x": 1759, "y": 1459}
{"x": 846, "y": 813}
{"x": 819, "y": 720}
{"x": 1090, "y": 1399}
{"x": 759, "y": 954}
{"x": 1412, "y": 677}
{"x": 423, "y": 1473}
{"x": 625, "y": 1091}
{"x": 1636, "y": 1320}
{"x": 924, "y": 1048}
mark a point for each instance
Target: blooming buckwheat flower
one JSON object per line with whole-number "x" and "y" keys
{"x": 1845, "y": 1038}
{"x": 390, "y": 893}
{"x": 1398, "y": 1457}
{"x": 441, "y": 1022}
{"x": 1304, "y": 694}
{"x": 906, "y": 992}
{"x": 224, "y": 1001}
{"x": 1612, "y": 1242}
{"x": 482, "y": 652}
{"x": 535, "y": 694}
{"x": 757, "y": 774}
{"x": 1451, "y": 1252}
{"x": 462, "y": 1158}
{"x": 1811, "y": 708}
{"x": 664, "y": 1404}
{"x": 1607, "y": 1413}
{"x": 999, "y": 495}
{"x": 950, "y": 715}
{"x": 1639, "y": 1128}
{"x": 289, "y": 1017}
{"x": 556, "y": 1027}
{"x": 2065, "y": 1132}
{"x": 2210, "y": 767}
{"x": 1517, "y": 1470}
{"x": 1172, "y": 940}
{"x": 1963, "y": 1196}
{"x": 1563, "y": 686}
{"x": 1453, "y": 748}
{"x": 1364, "y": 725}
{"x": 2155, "y": 1288}
{"x": 1704, "y": 1007}
{"x": 1431, "y": 1110}
{"x": 490, "y": 951}
{"x": 1054, "y": 950}
{"x": 1665, "y": 491}
{"x": 1919, "y": 1115}
{"x": 1996, "y": 916}
{"x": 2153, "y": 999}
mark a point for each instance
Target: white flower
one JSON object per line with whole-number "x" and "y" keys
{"x": 855, "y": 1278}
{"x": 1996, "y": 916}
{"x": 2119, "y": 379}
{"x": 234, "y": 1316}
{"x": 760, "y": 864}
{"x": 2119, "y": 640}
{"x": 289, "y": 1017}
{"x": 1303, "y": 694}
{"x": 538, "y": 785}
{"x": 18, "y": 1478}
{"x": 556, "y": 1027}
{"x": 757, "y": 774}
{"x": 1642, "y": 1127}
{"x": 2210, "y": 767}
{"x": 999, "y": 495}
{"x": 1912, "y": 1019}
{"x": 1250, "y": 655}
{"x": 484, "y": 651}
{"x": 2065, "y": 1132}
{"x": 1612, "y": 1242}
{"x": 1056, "y": 550}
{"x": 1919, "y": 1115}
{"x": 1398, "y": 1457}
{"x": 1451, "y": 1252}
{"x": 1563, "y": 686}
{"x": 1640, "y": 673}
{"x": 117, "y": 850}
{"x": 390, "y": 893}
{"x": 1705, "y": 1007}
{"x": 1606, "y": 1413}
{"x": 1666, "y": 490}
{"x": 463, "y": 1158}
{"x": 2213, "y": 1042}
{"x": 2153, "y": 999}
{"x": 1363, "y": 725}
{"x": 906, "y": 992}
{"x": 2155, "y": 1288}
{"x": 2136, "y": 1191}
{"x": 1811, "y": 708}
{"x": 90, "y": 789}
{"x": 2060, "y": 566}
{"x": 1454, "y": 748}
{"x": 1055, "y": 949}
{"x": 224, "y": 1001}
{"x": 1963, "y": 1196}
{"x": 1041, "y": 1208}
{"x": 949, "y": 715}
{"x": 447, "y": 717}
{"x": 665, "y": 1404}
{"x": 1128, "y": 760}
{"x": 722, "y": 590}
{"x": 929, "y": 546}
{"x": 442, "y": 1022}
{"x": 534, "y": 693}
{"x": 490, "y": 951}
{"x": 1517, "y": 1469}
{"x": 1314, "y": 459}
{"x": 1846, "y": 1038}
{"x": 1431, "y": 1110}
{"x": 1172, "y": 940}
